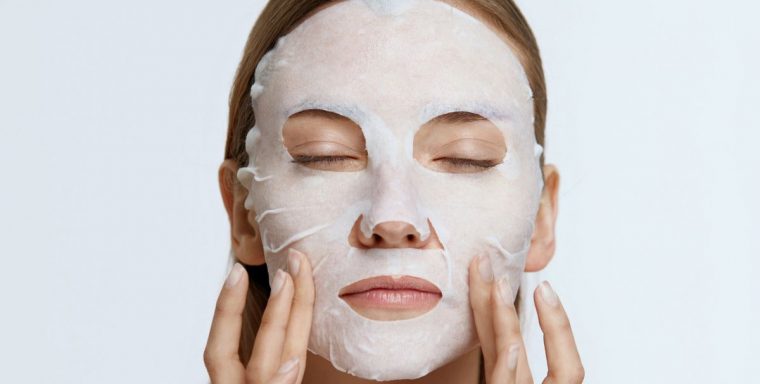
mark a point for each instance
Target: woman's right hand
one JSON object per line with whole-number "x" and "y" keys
{"x": 279, "y": 353}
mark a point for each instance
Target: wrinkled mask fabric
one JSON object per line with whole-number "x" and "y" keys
{"x": 392, "y": 66}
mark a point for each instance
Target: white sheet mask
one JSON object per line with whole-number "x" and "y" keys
{"x": 392, "y": 66}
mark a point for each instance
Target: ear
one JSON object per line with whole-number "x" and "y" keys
{"x": 244, "y": 230}
{"x": 542, "y": 244}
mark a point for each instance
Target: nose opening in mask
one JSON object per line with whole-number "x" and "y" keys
{"x": 393, "y": 234}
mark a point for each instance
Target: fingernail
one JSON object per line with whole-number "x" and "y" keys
{"x": 294, "y": 262}
{"x": 548, "y": 294}
{"x": 484, "y": 266}
{"x": 514, "y": 353}
{"x": 288, "y": 365}
{"x": 234, "y": 276}
{"x": 278, "y": 282}
{"x": 505, "y": 291}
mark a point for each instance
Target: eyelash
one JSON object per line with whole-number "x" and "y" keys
{"x": 306, "y": 159}
{"x": 454, "y": 161}
{"x": 468, "y": 163}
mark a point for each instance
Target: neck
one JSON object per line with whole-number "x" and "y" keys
{"x": 463, "y": 370}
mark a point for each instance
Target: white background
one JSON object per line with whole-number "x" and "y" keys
{"x": 114, "y": 240}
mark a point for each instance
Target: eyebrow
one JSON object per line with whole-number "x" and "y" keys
{"x": 320, "y": 113}
{"x": 457, "y": 117}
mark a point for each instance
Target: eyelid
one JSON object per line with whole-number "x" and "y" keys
{"x": 472, "y": 148}
{"x": 325, "y": 148}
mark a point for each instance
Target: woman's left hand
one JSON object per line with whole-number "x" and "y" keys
{"x": 498, "y": 329}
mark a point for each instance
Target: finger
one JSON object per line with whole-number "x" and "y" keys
{"x": 221, "y": 354}
{"x": 524, "y": 375}
{"x": 506, "y": 325}
{"x": 299, "y": 325}
{"x": 562, "y": 358}
{"x": 481, "y": 279}
{"x": 288, "y": 372}
{"x": 267, "y": 349}
{"x": 505, "y": 371}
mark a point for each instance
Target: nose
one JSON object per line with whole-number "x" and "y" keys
{"x": 393, "y": 234}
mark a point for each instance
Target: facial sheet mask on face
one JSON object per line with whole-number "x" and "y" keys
{"x": 392, "y": 66}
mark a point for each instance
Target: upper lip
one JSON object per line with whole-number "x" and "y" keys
{"x": 390, "y": 282}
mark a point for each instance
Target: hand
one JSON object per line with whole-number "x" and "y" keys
{"x": 279, "y": 352}
{"x": 498, "y": 329}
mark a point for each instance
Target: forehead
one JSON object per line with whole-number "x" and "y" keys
{"x": 399, "y": 55}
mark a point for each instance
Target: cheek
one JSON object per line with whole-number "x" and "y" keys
{"x": 483, "y": 213}
{"x": 307, "y": 209}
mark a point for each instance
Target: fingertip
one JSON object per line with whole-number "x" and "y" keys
{"x": 280, "y": 283}
{"x": 294, "y": 262}
{"x": 480, "y": 269}
{"x": 473, "y": 264}
{"x": 545, "y": 294}
{"x": 288, "y": 281}
{"x": 471, "y": 271}
{"x": 305, "y": 262}
{"x": 235, "y": 275}
{"x": 479, "y": 289}
{"x": 301, "y": 257}
{"x": 484, "y": 268}
{"x": 296, "y": 252}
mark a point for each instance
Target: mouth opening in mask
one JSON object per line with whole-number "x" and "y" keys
{"x": 389, "y": 298}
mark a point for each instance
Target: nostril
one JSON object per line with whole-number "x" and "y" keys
{"x": 377, "y": 238}
{"x": 410, "y": 237}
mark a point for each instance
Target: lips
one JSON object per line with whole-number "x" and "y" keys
{"x": 391, "y": 297}
{"x": 391, "y": 283}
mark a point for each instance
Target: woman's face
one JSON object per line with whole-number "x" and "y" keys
{"x": 393, "y": 143}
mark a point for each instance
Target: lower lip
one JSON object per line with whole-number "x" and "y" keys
{"x": 393, "y": 299}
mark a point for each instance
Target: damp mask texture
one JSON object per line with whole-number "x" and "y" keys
{"x": 392, "y": 66}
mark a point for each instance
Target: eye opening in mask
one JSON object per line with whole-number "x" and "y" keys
{"x": 325, "y": 140}
{"x": 459, "y": 142}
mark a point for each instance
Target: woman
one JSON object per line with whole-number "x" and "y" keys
{"x": 398, "y": 144}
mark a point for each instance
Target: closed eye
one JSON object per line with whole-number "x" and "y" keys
{"x": 309, "y": 159}
{"x": 463, "y": 163}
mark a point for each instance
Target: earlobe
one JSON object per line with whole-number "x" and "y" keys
{"x": 543, "y": 244}
{"x": 246, "y": 244}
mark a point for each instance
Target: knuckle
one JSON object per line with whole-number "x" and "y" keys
{"x": 269, "y": 322}
{"x": 577, "y": 375}
{"x": 514, "y": 334}
{"x": 482, "y": 306}
{"x": 479, "y": 299}
{"x": 493, "y": 301}
{"x": 210, "y": 360}
{"x": 304, "y": 299}
{"x": 266, "y": 322}
{"x": 562, "y": 325}
{"x": 251, "y": 377}
{"x": 571, "y": 375}
{"x": 223, "y": 307}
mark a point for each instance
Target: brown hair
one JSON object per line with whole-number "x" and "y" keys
{"x": 281, "y": 16}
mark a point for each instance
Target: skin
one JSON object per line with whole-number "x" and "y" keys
{"x": 330, "y": 142}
